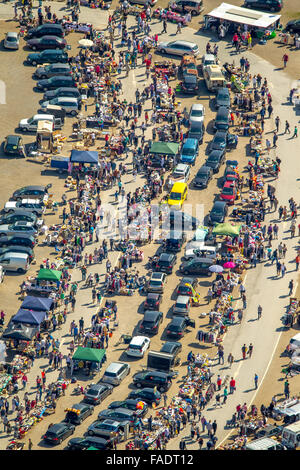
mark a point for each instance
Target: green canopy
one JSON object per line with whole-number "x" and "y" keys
{"x": 89, "y": 354}
{"x": 49, "y": 275}
{"x": 164, "y": 148}
{"x": 227, "y": 229}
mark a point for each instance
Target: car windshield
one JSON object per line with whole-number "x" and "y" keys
{"x": 195, "y": 47}
{"x": 178, "y": 174}
{"x": 164, "y": 262}
{"x": 217, "y": 210}
{"x": 188, "y": 151}
{"x": 213, "y": 158}
{"x": 228, "y": 190}
{"x": 175, "y": 196}
{"x": 180, "y": 305}
{"x": 11, "y": 39}
{"x": 135, "y": 346}
{"x": 155, "y": 282}
{"x": 184, "y": 289}
{"x": 222, "y": 96}
{"x": 219, "y": 139}
{"x": 173, "y": 328}
{"x": 197, "y": 113}
{"x": 93, "y": 392}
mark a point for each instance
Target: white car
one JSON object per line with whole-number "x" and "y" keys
{"x": 180, "y": 174}
{"x": 18, "y": 228}
{"x": 11, "y": 41}
{"x": 194, "y": 249}
{"x": 138, "y": 346}
{"x": 31, "y": 205}
{"x": 178, "y": 48}
{"x": 197, "y": 114}
{"x": 31, "y": 124}
{"x": 209, "y": 59}
{"x": 69, "y": 104}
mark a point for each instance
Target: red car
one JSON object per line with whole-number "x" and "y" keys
{"x": 229, "y": 192}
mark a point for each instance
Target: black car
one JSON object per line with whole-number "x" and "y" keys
{"x": 196, "y": 266}
{"x": 268, "y": 431}
{"x": 189, "y": 84}
{"x": 62, "y": 92}
{"x": 30, "y": 192}
{"x": 130, "y": 404}
{"x": 96, "y": 393}
{"x": 178, "y": 326}
{"x": 47, "y": 29}
{"x": 56, "y": 82}
{"x": 78, "y": 413}
{"x": 179, "y": 220}
{"x": 49, "y": 56}
{"x": 171, "y": 347}
{"x": 215, "y": 160}
{"x": 218, "y": 213}
{"x": 223, "y": 97}
{"x": 222, "y": 119}
{"x": 161, "y": 380}
{"x": 184, "y": 287}
{"x": 18, "y": 215}
{"x": 166, "y": 263}
{"x": 149, "y": 395}
{"x": 174, "y": 241}
{"x": 24, "y": 240}
{"x": 270, "y": 5}
{"x": 117, "y": 414}
{"x": 47, "y": 42}
{"x": 56, "y": 433}
{"x": 153, "y": 301}
{"x": 83, "y": 443}
{"x": 18, "y": 249}
{"x": 219, "y": 141}
{"x": 203, "y": 177}
{"x": 293, "y": 26}
{"x": 151, "y": 321}
{"x": 13, "y": 145}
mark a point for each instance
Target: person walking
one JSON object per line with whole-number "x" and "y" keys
{"x": 214, "y": 427}
{"x": 287, "y": 127}
{"x": 232, "y": 385}
{"x": 250, "y": 349}
{"x": 259, "y": 312}
{"x": 182, "y": 444}
{"x": 255, "y": 380}
{"x": 291, "y": 286}
{"x": 164, "y": 26}
{"x": 277, "y": 123}
{"x": 295, "y": 132}
{"x": 244, "y": 351}
{"x": 285, "y": 59}
{"x": 230, "y": 360}
{"x": 286, "y": 389}
{"x": 30, "y": 444}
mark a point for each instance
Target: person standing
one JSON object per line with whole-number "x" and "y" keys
{"x": 230, "y": 359}
{"x": 182, "y": 444}
{"x": 291, "y": 286}
{"x": 286, "y": 389}
{"x": 250, "y": 349}
{"x": 277, "y": 123}
{"x": 214, "y": 427}
{"x": 259, "y": 312}
{"x": 295, "y": 132}
{"x": 30, "y": 444}
{"x": 285, "y": 59}
{"x": 231, "y": 385}
{"x": 244, "y": 351}
{"x": 255, "y": 380}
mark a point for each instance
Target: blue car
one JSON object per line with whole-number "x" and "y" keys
{"x": 189, "y": 151}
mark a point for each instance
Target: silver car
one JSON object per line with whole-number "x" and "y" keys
{"x": 69, "y": 104}
{"x": 50, "y": 70}
{"x": 197, "y": 113}
{"x": 11, "y": 41}
{"x": 18, "y": 228}
{"x": 178, "y": 48}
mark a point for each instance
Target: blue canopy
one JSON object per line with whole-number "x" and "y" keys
{"x": 37, "y": 303}
{"x": 32, "y": 317}
{"x": 84, "y": 156}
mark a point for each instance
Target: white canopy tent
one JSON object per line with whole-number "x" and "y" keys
{"x": 253, "y": 18}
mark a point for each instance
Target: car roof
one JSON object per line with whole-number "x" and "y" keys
{"x": 190, "y": 142}
{"x": 215, "y": 152}
{"x": 138, "y": 340}
{"x": 183, "y": 299}
{"x": 169, "y": 346}
{"x": 223, "y": 133}
{"x": 57, "y": 426}
{"x": 69, "y": 99}
{"x": 157, "y": 275}
{"x": 179, "y": 187}
{"x": 12, "y": 34}
{"x": 174, "y": 235}
{"x": 181, "y": 167}
{"x": 79, "y": 406}
{"x": 151, "y": 314}
{"x": 48, "y": 36}
{"x": 112, "y": 422}
{"x": 122, "y": 410}
{"x": 223, "y": 111}
{"x": 219, "y": 204}
{"x": 166, "y": 256}
{"x": 197, "y": 105}
{"x": 153, "y": 295}
{"x": 177, "y": 320}
{"x": 155, "y": 372}
{"x": 64, "y": 88}
{"x": 13, "y": 138}
{"x": 42, "y": 188}
{"x": 98, "y": 386}
{"x": 204, "y": 169}
{"x": 223, "y": 89}
{"x": 59, "y": 64}
{"x": 184, "y": 43}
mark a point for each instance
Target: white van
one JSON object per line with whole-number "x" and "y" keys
{"x": 291, "y": 436}
{"x": 18, "y": 262}
{"x": 202, "y": 251}
{"x": 138, "y": 346}
{"x": 214, "y": 77}
{"x": 115, "y": 373}
{"x": 264, "y": 443}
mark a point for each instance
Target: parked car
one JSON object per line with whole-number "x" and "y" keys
{"x": 161, "y": 380}
{"x": 271, "y": 5}
{"x": 46, "y": 42}
{"x": 18, "y": 249}
{"x": 13, "y": 145}
{"x": 201, "y": 251}
{"x": 177, "y": 195}
{"x": 189, "y": 151}
{"x": 197, "y": 266}
{"x": 196, "y": 131}
{"x": 223, "y": 97}
{"x": 48, "y": 56}
{"x": 116, "y": 372}
{"x": 18, "y": 228}
{"x": 230, "y": 174}
{"x": 151, "y": 321}
{"x": 215, "y": 160}
{"x": 189, "y": 84}
{"x": 56, "y": 82}
{"x": 171, "y": 347}
{"x": 130, "y": 404}
{"x": 69, "y": 104}
{"x": 33, "y": 192}
{"x": 83, "y": 443}
{"x": 175, "y": 240}
{"x": 218, "y": 213}
{"x": 149, "y": 395}
{"x": 78, "y": 413}
{"x": 193, "y": 6}
{"x": 16, "y": 262}
{"x": 222, "y": 140}
{"x": 178, "y": 221}
{"x": 150, "y": 3}
{"x": 180, "y": 174}
{"x": 152, "y": 301}
{"x": 107, "y": 429}
{"x": 56, "y": 433}
{"x": 293, "y": 26}
{"x": 156, "y": 282}
{"x": 31, "y": 124}
{"x": 178, "y": 326}
{"x": 24, "y": 240}
{"x": 222, "y": 119}
{"x": 178, "y": 48}
{"x": 117, "y": 414}
{"x": 182, "y": 306}
{"x": 208, "y": 59}
{"x": 46, "y": 29}
{"x": 165, "y": 262}
{"x": 71, "y": 92}
{"x": 34, "y": 206}
{"x": 203, "y": 177}
{"x": 11, "y": 41}
{"x": 96, "y": 393}
{"x": 197, "y": 113}
{"x": 138, "y": 346}
{"x": 228, "y": 194}
{"x": 51, "y": 70}
{"x": 268, "y": 431}
{"x": 184, "y": 286}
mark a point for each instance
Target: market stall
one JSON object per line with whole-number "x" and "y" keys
{"x": 88, "y": 359}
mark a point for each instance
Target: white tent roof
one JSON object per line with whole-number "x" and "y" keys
{"x": 254, "y": 18}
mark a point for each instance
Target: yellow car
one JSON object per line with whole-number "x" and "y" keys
{"x": 178, "y": 195}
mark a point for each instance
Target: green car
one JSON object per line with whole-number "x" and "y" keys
{"x": 47, "y": 56}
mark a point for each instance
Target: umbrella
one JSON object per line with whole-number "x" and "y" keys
{"x": 229, "y": 265}
{"x": 216, "y": 268}
{"x": 85, "y": 43}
